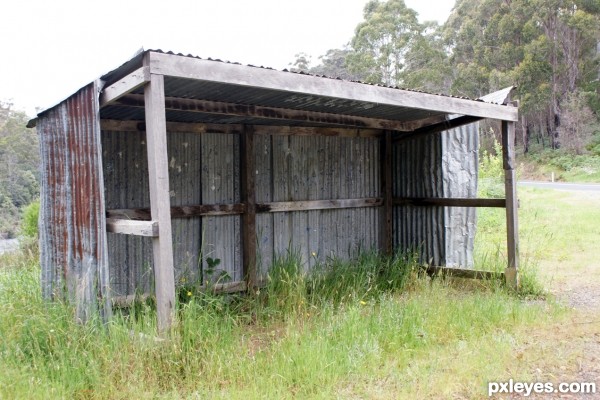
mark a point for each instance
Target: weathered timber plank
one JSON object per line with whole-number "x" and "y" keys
{"x": 202, "y": 210}
{"x": 387, "y": 190}
{"x": 228, "y": 287}
{"x": 120, "y": 88}
{"x": 158, "y": 168}
{"x": 132, "y": 227}
{"x": 438, "y": 127}
{"x": 318, "y": 131}
{"x": 510, "y": 185}
{"x": 248, "y": 196}
{"x": 462, "y": 273}
{"x": 200, "y": 128}
{"x": 254, "y": 111}
{"x": 300, "y": 86}
{"x": 285, "y": 206}
{"x": 450, "y": 202}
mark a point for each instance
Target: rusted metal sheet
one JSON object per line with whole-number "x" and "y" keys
{"x": 418, "y": 173}
{"x": 460, "y": 161}
{"x": 126, "y": 174}
{"x": 73, "y": 225}
{"x": 291, "y": 168}
{"x": 220, "y": 177}
{"x": 125, "y": 164}
{"x": 434, "y": 166}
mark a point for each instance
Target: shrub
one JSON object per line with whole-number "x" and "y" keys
{"x": 29, "y": 222}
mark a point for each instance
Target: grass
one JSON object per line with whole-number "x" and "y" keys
{"x": 381, "y": 329}
{"x": 372, "y": 328}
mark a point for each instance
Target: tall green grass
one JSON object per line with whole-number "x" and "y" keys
{"x": 343, "y": 331}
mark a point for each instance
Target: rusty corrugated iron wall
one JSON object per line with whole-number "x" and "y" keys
{"x": 437, "y": 165}
{"x": 204, "y": 169}
{"x": 296, "y": 168}
{"x": 72, "y": 222}
{"x": 460, "y": 159}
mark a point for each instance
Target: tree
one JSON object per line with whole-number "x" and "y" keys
{"x": 578, "y": 123}
{"x": 546, "y": 47}
{"x": 19, "y": 172}
{"x": 382, "y": 41}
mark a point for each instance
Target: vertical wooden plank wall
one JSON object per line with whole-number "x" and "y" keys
{"x": 512, "y": 226}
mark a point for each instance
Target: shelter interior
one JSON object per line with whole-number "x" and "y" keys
{"x": 204, "y": 170}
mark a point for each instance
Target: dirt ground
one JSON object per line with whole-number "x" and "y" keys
{"x": 569, "y": 351}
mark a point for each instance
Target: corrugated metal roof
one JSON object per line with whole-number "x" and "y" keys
{"x": 236, "y": 94}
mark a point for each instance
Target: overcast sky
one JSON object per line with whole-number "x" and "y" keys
{"x": 51, "y": 48}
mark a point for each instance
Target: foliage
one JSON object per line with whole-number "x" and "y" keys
{"x": 382, "y": 40}
{"x": 564, "y": 165}
{"x": 29, "y": 223}
{"x": 546, "y": 48}
{"x": 491, "y": 173}
{"x": 578, "y": 124}
{"x": 247, "y": 347}
{"x": 19, "y": 176}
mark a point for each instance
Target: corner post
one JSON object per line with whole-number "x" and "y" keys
{"x": 387, "y": 186}
{"x": 160, "y": 206}
{"x": 248, "y": 169}
{"x": 510, "y": 184}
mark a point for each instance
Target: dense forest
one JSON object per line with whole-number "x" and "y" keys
{"x": 19, "y": 168}
{"x": 549, "y": 49}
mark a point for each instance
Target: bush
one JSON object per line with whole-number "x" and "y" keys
{"x": 491, "y": 173}
{"x": 29, "y": 222}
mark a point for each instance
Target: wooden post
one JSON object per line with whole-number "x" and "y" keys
{"x": 160, "y": 207}
{"x": 387, "y": 193}
{"x": 248, "y": 172}
{"x": 512, "y": 226}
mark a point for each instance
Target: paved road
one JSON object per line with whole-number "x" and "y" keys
{"x": 7, "y": 245}
{"x": 594, "y": 187}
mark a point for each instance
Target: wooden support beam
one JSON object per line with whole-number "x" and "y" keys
{"x": 386, "y": 189}
{"x": 120, "y": 88}
{"x": 203, "y": 210}
{"x": 462, "y": 273}
{"x": 247, "y": 166}
{"x": 132, "y": 227}
{"x": 270, "y": 113}
{"x": 510, "y": 185}
{"x": 450, "y": 202}
{"x": 227, "y": 287}
{"x": 331, "y": 93}
{"x": 236, "y": 129}
{"x": 158, "y": 169}
{"x": 438, "y": 127}
{"x": 286, "y": 206}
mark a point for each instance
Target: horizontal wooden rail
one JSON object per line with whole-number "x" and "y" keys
{"x": 132, "y": 227}
{"x": 227, "y": 287}
{"x": 236, "y": 129}
{"x": 450, "y": 202}
{"x": 463, "y": 273}
{"x": 207, "y": 210}
{"x": 204, "y": 210}
{"x": 283, "y": 206}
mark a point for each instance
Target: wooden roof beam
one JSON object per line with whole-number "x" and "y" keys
{"x": 123, "y": 86}
{"x": 213, "y": 71}
{"x": 253, "y": 111}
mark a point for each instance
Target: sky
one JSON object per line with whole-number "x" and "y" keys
{"x": 50, "y": 49}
